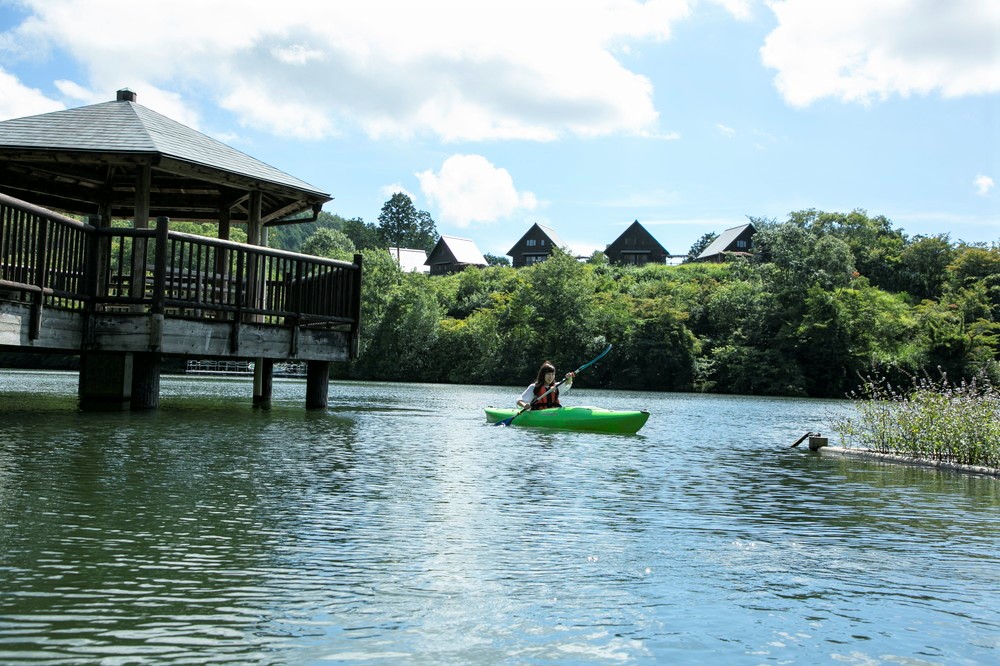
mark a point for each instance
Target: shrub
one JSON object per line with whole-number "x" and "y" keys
{"x": 932, "y": 419}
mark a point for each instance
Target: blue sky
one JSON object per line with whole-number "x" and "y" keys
{"x": 688, "y": 115}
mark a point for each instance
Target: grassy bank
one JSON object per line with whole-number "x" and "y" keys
{"x": 932, "y": 420}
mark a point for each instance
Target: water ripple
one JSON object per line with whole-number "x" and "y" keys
{"x": 398, "y": 527}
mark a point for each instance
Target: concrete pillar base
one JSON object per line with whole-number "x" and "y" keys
{"x": 105, "y": 381}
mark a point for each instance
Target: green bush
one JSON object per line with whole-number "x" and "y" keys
{"x": 932, "y": 419}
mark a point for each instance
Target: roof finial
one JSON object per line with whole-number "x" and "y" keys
{"x": 126, "y": 95}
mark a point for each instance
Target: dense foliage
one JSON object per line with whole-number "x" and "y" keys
{"x": 825, "y": 299}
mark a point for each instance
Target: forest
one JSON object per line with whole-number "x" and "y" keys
{"x": 823, "y": 302}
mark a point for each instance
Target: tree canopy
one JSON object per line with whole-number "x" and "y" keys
{"x": 823, "y": 300}
{"x": 400, "y": 224}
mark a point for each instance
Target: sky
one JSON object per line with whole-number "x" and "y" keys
{"x": 583, "y": 115}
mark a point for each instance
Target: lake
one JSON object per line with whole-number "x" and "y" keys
{"x": 397, "y": 527}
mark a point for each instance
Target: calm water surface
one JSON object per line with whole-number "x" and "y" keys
{"x": 397, "y": 527}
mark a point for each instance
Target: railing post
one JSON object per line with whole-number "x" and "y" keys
{"x": 91, "y": 279}
{"x": 355, "y": 342}
{"x": 234, "y": 334}
{"x": 160, "y": 265}
{"x": 41, "y": 277}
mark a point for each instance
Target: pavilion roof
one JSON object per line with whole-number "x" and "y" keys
{"x": 69, "y": 160}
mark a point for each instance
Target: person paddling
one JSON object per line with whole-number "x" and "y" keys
{"x": 540, "y": 392}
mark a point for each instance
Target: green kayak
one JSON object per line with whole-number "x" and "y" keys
{"x": 588, "y": 419}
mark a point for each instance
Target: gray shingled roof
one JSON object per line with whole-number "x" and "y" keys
{"x": 128, "y": 127}
{"x": 725, "y": 239}
{"x": 463, "y": 250}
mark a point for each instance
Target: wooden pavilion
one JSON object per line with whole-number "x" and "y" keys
{"x": 123, "y": 298}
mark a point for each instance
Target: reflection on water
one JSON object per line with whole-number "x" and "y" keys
{"x": 397, "y": 526}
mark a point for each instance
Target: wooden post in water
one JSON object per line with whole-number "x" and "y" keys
{"x": 263, "y": 381}
{"x": 317, "y": 384}
{"x": 145, "y": 381}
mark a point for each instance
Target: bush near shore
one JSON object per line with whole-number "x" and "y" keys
{"x": 930, "y": 420}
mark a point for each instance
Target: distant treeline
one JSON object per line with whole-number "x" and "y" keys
{"x": 823, "y": 300}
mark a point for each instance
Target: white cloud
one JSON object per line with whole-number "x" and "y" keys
{"x": 858, "y": 50}
{"x": 18, "y": 100}
{"x": 726, "y": 131}
{"x": 739, "y": 9}
{"x": 389, "y": 190}
{"x": 511, "y": 69}
{"x": 469, "y": 189}
{"x": 984, "y": 185}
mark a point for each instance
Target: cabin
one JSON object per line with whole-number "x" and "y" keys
{"x": 453, "y": 254}
{"x": 733, "y": 241}
{"x": 409, "y": 260}
{"x": 535, "y": 245}
{"x": 636, "y": 247}
{"x": 123, "y": 297}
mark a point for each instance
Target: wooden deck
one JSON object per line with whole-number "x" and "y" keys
{"x": 72, "y": 287}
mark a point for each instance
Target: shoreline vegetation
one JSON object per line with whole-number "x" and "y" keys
{"x": 933, "y": 420}
{"x": 821, "y": 300}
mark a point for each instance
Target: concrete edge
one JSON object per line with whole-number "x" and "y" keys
{"x": 906, "y": 460}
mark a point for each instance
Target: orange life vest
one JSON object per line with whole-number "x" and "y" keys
{"x": 551, "y": 400}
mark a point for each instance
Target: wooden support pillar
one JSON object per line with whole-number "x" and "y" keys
{"x": 317, "y": 384}
{"x": 145, "y": 381}
{"x": 105, "y": 380}
{"x": 263, "y": 382}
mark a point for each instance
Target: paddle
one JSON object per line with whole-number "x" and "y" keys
{"x": 586, "y": 365}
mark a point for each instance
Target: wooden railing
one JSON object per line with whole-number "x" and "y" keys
{"x": 56, "y": 261}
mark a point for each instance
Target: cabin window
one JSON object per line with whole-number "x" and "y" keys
{"x": 531, "y": 242}
{"x": 741, "y": 243}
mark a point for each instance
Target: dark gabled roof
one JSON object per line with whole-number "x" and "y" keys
{"x": 725, "y": 239}
{"x": 548, "y": 232}
{"x": 639, "y": 231}
{"x": 76, "y": 151}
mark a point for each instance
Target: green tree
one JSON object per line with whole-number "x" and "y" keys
{"x": 328, "y": 243}
{"x": 658, "y": 352}
{"x": 875, "y": 244}
{"x": 364, "y": 236}
{"x": 924, "y": 262}
{"x": 559, "y": 292}
{"x": 824, "y": 349}
{"x": 400, "y": 224}
{"x": 972, "y": 265}
{"x": 699, "y": 246}
{"x": 496, "y": 260}
{"x": 403, "y": 337}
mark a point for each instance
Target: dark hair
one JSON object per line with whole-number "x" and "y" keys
{"x": 540, "y": 377}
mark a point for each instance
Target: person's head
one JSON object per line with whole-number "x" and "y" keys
{"x": 546, "y": 374}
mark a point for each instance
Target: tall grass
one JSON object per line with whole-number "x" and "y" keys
{"x": 933, "y": 419}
